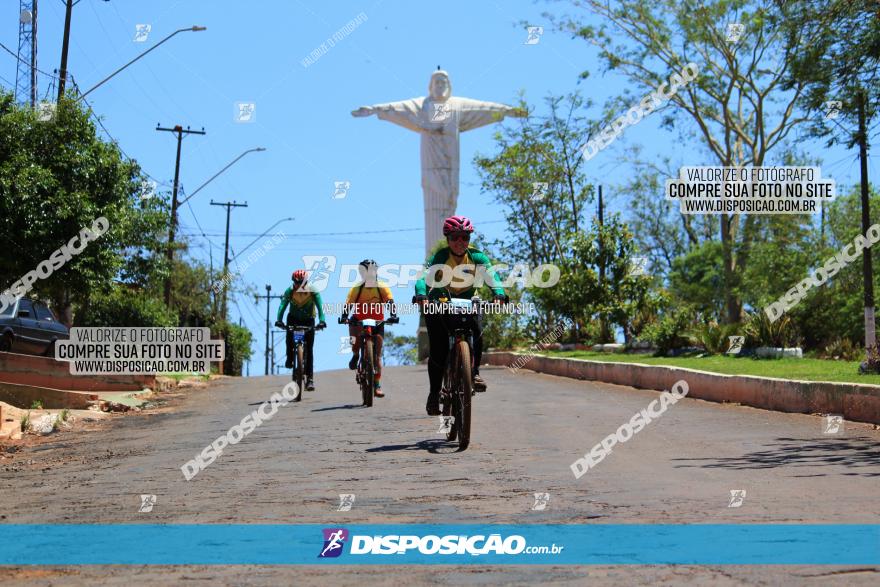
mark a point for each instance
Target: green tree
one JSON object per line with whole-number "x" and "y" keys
{"x": 536, "y": 177}
{"x": 125, "y": 306}
{"x": 697, "y": 276}
{"x": 735, "y": 108}
{"x": 238, "y": 346}
{"x": 400, "y": 349}
{"x": 583, "y": 295}
{"x": 834, "y": 310}
{"x": 841, "y": 67}
{"x": 56, "y": 177}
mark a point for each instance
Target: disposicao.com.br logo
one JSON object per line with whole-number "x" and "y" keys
{"x": 431, "y": 544}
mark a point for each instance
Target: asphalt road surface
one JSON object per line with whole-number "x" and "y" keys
{"x": 528, "y": 429}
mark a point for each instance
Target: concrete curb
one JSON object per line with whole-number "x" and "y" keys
{"x": 856, "y": 402}
{"x": 23, "y": 396}
{"x": 46, "y": 372}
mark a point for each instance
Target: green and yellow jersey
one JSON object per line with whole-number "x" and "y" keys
{"x": 303, "y": 304}
{"x": 462, "y": 283}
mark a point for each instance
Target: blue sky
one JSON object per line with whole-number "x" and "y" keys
{"x": 252, "y": 52}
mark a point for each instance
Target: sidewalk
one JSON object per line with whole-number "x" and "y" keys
{"x": 855, "y": 402}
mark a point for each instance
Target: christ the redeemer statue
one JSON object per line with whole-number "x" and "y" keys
{"x": 439, "y": 118}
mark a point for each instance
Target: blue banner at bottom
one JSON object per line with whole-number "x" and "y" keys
{"x": 395, "y": 544}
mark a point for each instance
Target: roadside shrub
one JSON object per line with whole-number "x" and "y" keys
{"x": 842, "y": 349}
{"x": 760, "y": 331}
{"x": 714, "y": 337}
{"x": 653, "y": 305}
{"x": 123, "y": 307}
{"x": 588, "y": 333}
{"x": 669, "y": 332}
{"x": 872, "y": 364}
{"x": 238, "y": 347}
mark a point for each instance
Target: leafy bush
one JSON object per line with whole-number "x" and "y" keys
{"x": 714, "y": 337}
{"x": 760, "y": 331}
{"x": 653, "y": 304}
{"x": 238, "y": 346}
{"x": 122, "y": 307}
{"x": 669, "y": 332}
{"x": 844, "y": 349}
{"x": 697, "y": 277}
{"x": 872, "y": 364}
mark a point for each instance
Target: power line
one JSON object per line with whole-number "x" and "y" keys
{"x": 17, "y": 58}
{"x": 196, "y": 218}
{"x": 349, "y": 233}
{"x": 97, "y": 119}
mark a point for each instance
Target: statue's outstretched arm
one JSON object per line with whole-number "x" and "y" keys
{"x": 477, "y": 113}
{"x": 404, "y": 113}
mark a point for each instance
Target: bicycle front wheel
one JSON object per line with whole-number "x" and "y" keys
{"x": 464, "y": 388}
{"x": 367, "y": 382}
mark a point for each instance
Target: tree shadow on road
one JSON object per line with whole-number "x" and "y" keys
{"x": 804, "y": 452}
{"x": 432, "y": 445}
{"x": 345, "y": 407}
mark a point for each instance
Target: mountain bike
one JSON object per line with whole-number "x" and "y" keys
{"x": 458, "y": 383}
{"x": 297, "y": 373}
{"x": 367, "y": 358}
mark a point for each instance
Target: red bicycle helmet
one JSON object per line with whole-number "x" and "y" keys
{"x": 457, "y": 224}
{"x": 299, "y": 276}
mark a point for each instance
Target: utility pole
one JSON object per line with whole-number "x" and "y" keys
{"x": 268, "y": 297}
{"x": 169, "y": 254}
{"x": 867, "y": 265}
{"x": 229, "y": 207}
{"x": 62, "y": 74}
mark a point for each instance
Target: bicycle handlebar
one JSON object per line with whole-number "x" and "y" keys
{"x": 390, "y": 320}
{"x": 303, "y": 327}
{"x": 475, "y": 301}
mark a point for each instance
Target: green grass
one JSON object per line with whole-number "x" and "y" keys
{"x": 801, "y": 369}
{"x": 180, "y": 376}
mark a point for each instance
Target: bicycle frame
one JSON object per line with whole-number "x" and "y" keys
{"x": 299, "y": 336}
{"x": 457, "y": 388}
{"x": 365, "y": 369}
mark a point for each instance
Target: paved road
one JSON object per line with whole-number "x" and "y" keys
{"x": 528, "y": 430}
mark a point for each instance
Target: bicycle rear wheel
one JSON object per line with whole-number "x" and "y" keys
{"x": 463, "y": 393}
{"x": 367, "y": 381}
{"x": 447, "y": 399}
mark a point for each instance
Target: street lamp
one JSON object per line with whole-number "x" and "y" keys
{"x": 194, "y": 29}
{"x": 231, "y": 163}
{"x": 259, "y": 237}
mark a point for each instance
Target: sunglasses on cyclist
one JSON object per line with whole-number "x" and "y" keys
{"x": 459, "y": 236}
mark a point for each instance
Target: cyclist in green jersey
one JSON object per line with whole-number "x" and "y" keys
{"x": 304, "y": 303}
{"x": 457, "y": 230}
